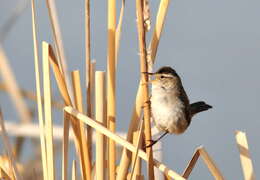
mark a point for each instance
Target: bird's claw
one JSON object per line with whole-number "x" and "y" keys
{"x": 152, "y": 142}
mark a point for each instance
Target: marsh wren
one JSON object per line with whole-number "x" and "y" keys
{"x": 170, "y": 106}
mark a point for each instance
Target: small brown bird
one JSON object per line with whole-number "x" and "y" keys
{"x": 170, "y": 106}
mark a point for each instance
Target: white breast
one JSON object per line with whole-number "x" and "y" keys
{"x": 168, "y": 111}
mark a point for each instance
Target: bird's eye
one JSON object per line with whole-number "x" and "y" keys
{"x": 162, "y": 77}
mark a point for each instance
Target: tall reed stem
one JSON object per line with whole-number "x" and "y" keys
{"x": 100, "y": 117}
{"x": 39, "y": 96}
{"x": 145, "y": 91}
{"x": 89, "y": 83}
{"x": 85, "y": 157}
{"x": 126, "y": 155}
{"x": 111, "y": 94}
{"x": 48, "y": 111}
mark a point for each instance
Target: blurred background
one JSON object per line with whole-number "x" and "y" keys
{"x": 213, "y": 45}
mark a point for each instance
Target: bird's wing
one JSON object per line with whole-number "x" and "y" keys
{"x": 185, "y": 99}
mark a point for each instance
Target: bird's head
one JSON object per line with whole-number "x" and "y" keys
{"x": 165, "y": 78}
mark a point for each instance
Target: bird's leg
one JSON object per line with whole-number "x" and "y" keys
{"x": 153, "y": 142}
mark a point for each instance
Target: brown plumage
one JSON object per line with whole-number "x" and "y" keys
{"x": 170, "y": 106}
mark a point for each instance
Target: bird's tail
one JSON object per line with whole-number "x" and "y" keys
{"x": 198, "y": 107}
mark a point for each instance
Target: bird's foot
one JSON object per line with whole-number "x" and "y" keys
{"x": 152, "y": 142}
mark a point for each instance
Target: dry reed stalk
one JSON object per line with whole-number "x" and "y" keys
{"x": 210, "y": 164}
{"x": 32, "y": 96}
{"x": 137, "y": 177}
{"x": 6, "y": 172}
{"x": 59, "y": 78}
{"x": 200, "y": 151}
{"x": 145, "y": 90}
{"x": 58, "y": 42}
{"x": 111, "y": 94}
{"x": 8, "y": 150}
{"x": 3, "y": 174}
{"x": 85, "y": 159}
{"x": 74, "y": 170}
{"x": 66, "y": 98}
{"x": 32, "y": 130}
{"x": 87, "y": 46}
{"x": 89, "y": 82}
{"x": 118, "y": 29}
{"x": 56, "y": 33}
{"x": 87, "y": 41}
{"x": 160, "y": 20}
{"x": 72, "y": 111}
{"x": 146, "y": 15}
{"x": 100, "y": 112}
{"x": 166, "y": 177}
{"x": 191, "y": 164}
{"x": 65, "y": 145}
{"x": 13, "y": 91}
{"x": 47, "y": 110}
{"x": 126, "y": 155}
{"x": 39, "y": 96}
{"x": 64, "y": 92}
{"x": 140, "y": 177}
{"x": 91, "y": 105}
{"x": 246, "y": 162}
{"x": 92, "y": 86}
{"x": 138, "y": 138}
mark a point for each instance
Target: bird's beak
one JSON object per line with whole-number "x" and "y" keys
{"x": 149, "y": 73}
{"x": 151, "y": 80}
